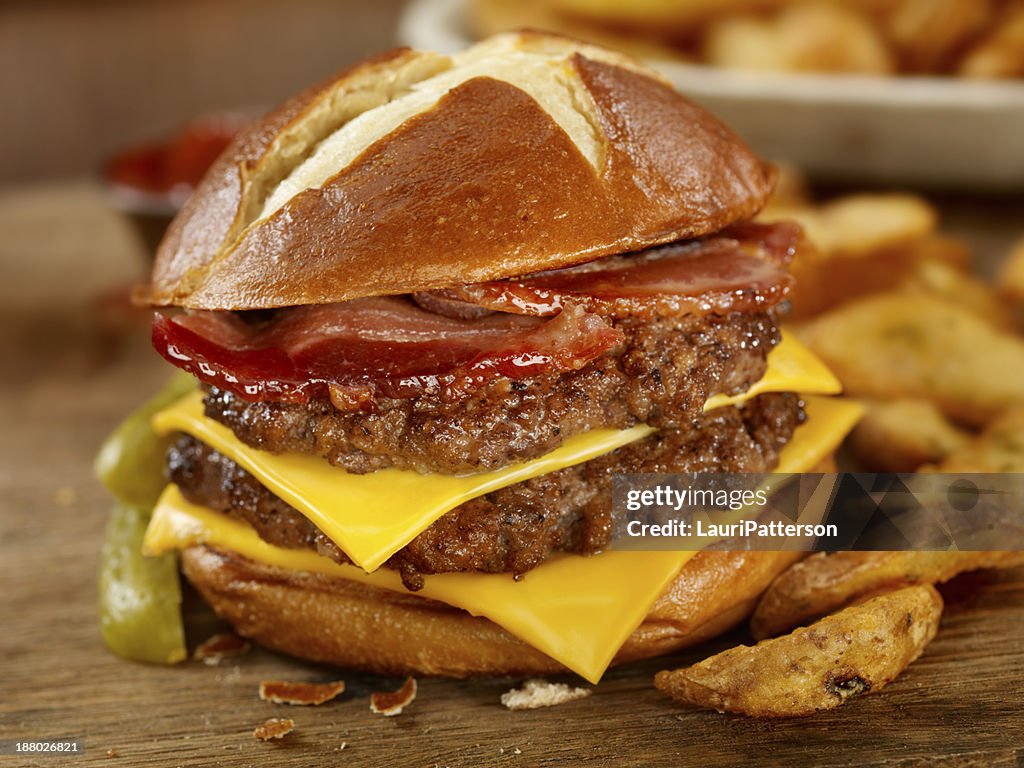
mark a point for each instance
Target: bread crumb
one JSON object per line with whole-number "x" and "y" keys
{"x": 274, "y": 728}
{"x": 226, "y": 644}
{"x": 113, "y": 753}
{"x": 392, "y": 703}
{"x": 536, "y": 693}
{"x": 300, "y": 694}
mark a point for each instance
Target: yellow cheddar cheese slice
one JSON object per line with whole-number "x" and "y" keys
{"x": 792, "y": 367}
{"x": 372, "y": 516}
{"x": 577, "y": 610}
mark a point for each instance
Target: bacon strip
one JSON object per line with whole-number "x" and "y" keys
{"x": 362, "y": 350}
{"x": 742, "y": 270}
{"x": 358, "y": 352}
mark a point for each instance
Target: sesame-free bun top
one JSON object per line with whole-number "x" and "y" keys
{"x": 416, "y": 171}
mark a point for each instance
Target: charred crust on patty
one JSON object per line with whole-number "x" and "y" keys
{"x": 661, "y": 375}
{"x": 514, "y": 529}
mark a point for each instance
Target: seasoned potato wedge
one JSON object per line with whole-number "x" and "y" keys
{"x": 928, "y": 33}
{"x": 858, "y": 650}
{"x": 1000, "y": 53}
{"x": 999, "y": 448}
{"x": 856, "y": 225}
{"x": 825, "y": 582}
{"x": 901, "y": 435}
{"x": 800, "y": 38}
{"x": 898, "y": 344}
{"x": 1011, "y": 273}
{"x": 944, "y": 280}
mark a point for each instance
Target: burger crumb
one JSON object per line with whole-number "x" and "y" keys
{"x": 274, "y": 728}
{"x": 392, "y": 703}
{"x": 300, "y": 694}
{"x": 219, "y": 647}
{"x": 113, "y": 753}
{"x": 536, "y": 693}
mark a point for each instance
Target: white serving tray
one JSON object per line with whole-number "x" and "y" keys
{"x": 921, "y": 131}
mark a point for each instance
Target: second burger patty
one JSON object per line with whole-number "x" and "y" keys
{"x": 514, "y": 529}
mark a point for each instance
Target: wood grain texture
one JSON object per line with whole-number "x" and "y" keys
{"x": 71, "y": 371}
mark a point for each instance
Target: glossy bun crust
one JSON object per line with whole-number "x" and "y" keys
{"x": 343, "y": 623}
{"x": 588, "y": 154}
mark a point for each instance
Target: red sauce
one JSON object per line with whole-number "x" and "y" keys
{"x": 178, "y": 164}
{"x": 363, "y": 350}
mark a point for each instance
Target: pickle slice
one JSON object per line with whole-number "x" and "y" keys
{"x": 130, "y": 462}
{"x": 140, "y": 597}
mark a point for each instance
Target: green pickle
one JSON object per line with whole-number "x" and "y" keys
{"x": 140, "y": 597}
{"x": 131, "y": 461}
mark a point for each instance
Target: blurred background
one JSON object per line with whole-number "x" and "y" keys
{"x": 81, "y": 80}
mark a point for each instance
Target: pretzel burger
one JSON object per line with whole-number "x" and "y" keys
{"x": 434, "y": 305}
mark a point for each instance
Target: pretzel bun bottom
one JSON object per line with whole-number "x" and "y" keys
{"x": 343, "y": 623}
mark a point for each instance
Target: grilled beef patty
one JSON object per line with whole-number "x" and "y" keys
{"x": 662, "y": 375}
{"x": 516, "y": 528}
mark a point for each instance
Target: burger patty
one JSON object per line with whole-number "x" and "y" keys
{"x": 662, "y": 374}
{"x": 514, "y": 529}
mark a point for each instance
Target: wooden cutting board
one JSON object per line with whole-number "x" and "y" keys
{"x": 74, "y": 363}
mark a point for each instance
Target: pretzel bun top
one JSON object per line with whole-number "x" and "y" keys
{"x": 415, "y": 171}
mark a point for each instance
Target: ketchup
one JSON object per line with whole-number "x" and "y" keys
{"x": 174, "y": 167}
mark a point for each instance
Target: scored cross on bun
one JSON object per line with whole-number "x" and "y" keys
{"x": 415, "y": 171}
{"x": 487, "y": 284}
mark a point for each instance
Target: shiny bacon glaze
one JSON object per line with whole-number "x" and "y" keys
{"x": 362, "y": 351}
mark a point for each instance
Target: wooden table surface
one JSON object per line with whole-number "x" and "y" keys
{"x": 74, "y": 363}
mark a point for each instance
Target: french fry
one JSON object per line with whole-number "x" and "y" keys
{"x": 999, "y": 448}
{"x": 895, "y": 344}
{"x": 858, "y": 650}
{"x": 901, "y": 435}
{"x": 823, "y": 582}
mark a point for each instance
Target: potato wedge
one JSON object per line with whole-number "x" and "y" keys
{"x": 858, "y": 650}
{"x": 901, "y": 435}
{"x": 1000, "y": 53}
{"x": 857, "y": 225}
{"x": 912, "y": 345}
{"x": 942, "y": 279}
{"x": 927, "y": 33}
{"x": 999, "y": 448}
{"x": 1011, "y": 273}
{"x": 928, "y": 264}
{"x": 800, "y": 38}
{"x": 826, "y": 582}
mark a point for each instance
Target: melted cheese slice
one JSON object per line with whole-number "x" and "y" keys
{"x": 577, "y": 610}
{"x": 372, "y": 516}
{"x": 792, "y": 367}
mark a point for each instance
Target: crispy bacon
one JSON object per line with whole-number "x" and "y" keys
{"x": 362, "y": 350}
{"x": 742, "y": 270}
{"x": 453, "y": 341}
